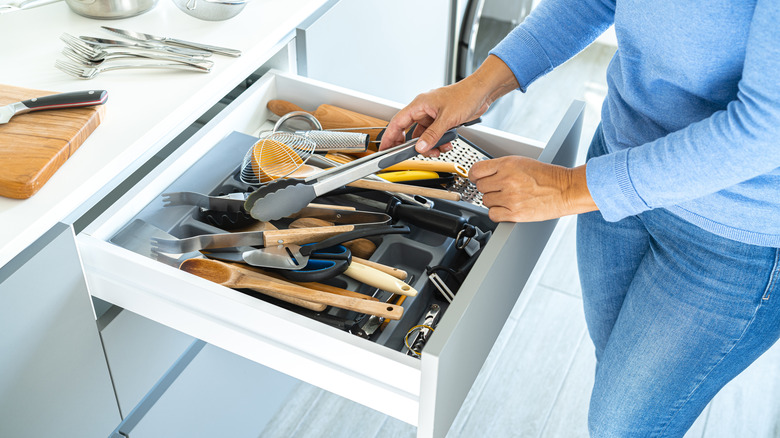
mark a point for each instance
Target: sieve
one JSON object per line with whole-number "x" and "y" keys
{"x": 275, "y": 155}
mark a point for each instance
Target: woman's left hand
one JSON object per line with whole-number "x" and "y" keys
{"x": 520, "y": 189}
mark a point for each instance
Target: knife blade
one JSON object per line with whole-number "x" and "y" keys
{"x": 75, "y": 99}
{"x": 139, "y": 36}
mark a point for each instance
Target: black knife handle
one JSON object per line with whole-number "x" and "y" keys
{"x": 73, "y": 99}
{"x": 438, "y": 221}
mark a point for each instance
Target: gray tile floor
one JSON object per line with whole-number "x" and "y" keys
{"x": 537, "y": 379}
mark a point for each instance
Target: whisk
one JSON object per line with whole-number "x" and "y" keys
{"x": 275, "y": 155}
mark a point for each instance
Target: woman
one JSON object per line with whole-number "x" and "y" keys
{"x": 678, "y": 234}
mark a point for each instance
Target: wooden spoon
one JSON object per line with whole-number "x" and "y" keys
{"x": 234, "y": 276}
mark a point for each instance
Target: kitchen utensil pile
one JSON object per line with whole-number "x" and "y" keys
{"x": 89, "y": 56}
{"x": 324, "y": 245}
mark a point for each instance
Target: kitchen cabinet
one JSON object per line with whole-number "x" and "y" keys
{"x": 53, "y": 375}
{"x": 425, "y": 392}
{"x": 393, "y": 50}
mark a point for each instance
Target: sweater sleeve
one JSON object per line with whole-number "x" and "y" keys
{"x": 553, "y": 32}
{"x": 731, "y": 146}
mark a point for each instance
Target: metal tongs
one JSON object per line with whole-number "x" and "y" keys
{"x": 234, "y": 203}
{"x": 284, "y": 197}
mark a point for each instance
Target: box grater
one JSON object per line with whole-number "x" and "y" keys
{"x": 465, "y": 153}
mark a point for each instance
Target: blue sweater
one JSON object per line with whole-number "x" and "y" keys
{"x": 692, "y": 116}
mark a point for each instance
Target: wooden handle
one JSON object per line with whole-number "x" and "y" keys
{"x": 334, "y": 290}
{"x": 407, "y": 189}
{"x": 332, "y": 207}
{"x": 361, "y": 247}
{"x": 282, "y": 107}
{"x": 395, "y": 272}
{"x": 332, "y": 117}
{"x": 376, "y": 278}
{"x": 301, "y": 236}
{"x": 435, "y": 166}
{"x": 256, "y": 226}
{"x": 313, "y": 285}
{"x": 336, "y": 117}
{"x": 264, "y": 284}
{"x": 317, "y": 307}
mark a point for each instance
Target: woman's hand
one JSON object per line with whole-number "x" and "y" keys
{"x": 439, "y": 110}
{"x": 520, "y": 189}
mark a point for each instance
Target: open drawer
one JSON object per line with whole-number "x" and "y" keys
{"x": 426, "y": 391}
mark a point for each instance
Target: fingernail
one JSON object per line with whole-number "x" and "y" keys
{"x": 422, "y": 146}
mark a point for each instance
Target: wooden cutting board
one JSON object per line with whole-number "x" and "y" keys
{"x": 34, "y": 145}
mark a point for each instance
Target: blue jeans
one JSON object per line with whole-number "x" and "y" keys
{"x": 674, "y": 312}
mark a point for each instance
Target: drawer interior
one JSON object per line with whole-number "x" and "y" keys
{"x": 421, "y": 251}
{"x": 318, "y": 348}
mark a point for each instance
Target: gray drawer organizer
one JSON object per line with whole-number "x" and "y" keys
{"x": 216, "y": 174}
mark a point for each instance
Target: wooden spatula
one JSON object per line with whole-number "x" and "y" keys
{"x": 234, "y": 276}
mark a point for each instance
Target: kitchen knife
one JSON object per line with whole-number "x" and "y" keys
{"x": 138, "y": 36}
{"x": 74, "y": 99}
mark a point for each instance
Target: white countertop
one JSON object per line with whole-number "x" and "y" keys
{"x": 145, "y": 108}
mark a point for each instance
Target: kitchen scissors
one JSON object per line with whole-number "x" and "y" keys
{"x": 323, "y": 264}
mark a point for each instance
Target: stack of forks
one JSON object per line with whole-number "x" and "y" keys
{"x": 87, "y": 57}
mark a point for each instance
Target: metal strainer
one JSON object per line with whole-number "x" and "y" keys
{"x": 275, "y": 155}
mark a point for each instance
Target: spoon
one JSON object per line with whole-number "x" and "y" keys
{"x": 238, "y": 277}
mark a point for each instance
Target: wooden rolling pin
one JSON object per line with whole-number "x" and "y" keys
{"x": 332, "y": 117}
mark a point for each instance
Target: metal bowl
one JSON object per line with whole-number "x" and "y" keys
{"x": 211, "y": 10}
{"x": 110, "y": 9}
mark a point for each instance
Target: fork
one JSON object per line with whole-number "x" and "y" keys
{"x": 92, "y": 53}
{"x": 82, "y": 72}
{"x": 109, "y": 56}
{"x": 233, "y": 202}
{"x": 109, "y": 43}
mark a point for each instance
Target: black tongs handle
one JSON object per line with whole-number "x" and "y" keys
{"x": 352, "y": 235}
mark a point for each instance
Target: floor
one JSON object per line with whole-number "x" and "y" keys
{"x": 537, "y": 379}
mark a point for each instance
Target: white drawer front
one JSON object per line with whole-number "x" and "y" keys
{"x": 426, "y": 392}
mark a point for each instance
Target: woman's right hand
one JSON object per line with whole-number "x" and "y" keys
{"x": 440, "y": 109}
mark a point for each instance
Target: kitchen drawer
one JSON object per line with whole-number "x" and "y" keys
{"x": 427, "y": 391}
